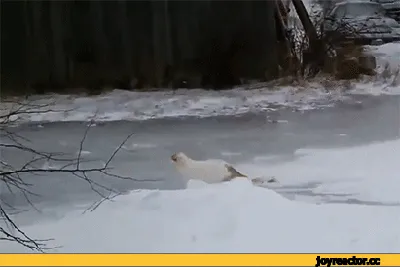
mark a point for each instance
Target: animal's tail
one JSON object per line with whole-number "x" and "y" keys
{"x": 233, "y": 172}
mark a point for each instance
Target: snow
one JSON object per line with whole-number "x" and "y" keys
{"x": 137, "y": 106}
{"x": 132, "y": 106}
{"x": 388, "y": 71}
{"x": 239, "y": 217}
{"x": 378, "y": 88}
{"x": 388, "y": 53}
{"x": 366, "y": 173}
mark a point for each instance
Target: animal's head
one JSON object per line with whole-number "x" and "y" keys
{"x": 179, "y": 158}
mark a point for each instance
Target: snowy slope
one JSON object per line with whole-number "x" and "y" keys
{"x": 367, "y": 173}
{"x": 231, "y": 217}
{"x": 238, "y": 217}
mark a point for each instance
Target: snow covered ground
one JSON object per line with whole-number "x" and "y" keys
{"x": 134, "y": 106}
{"x": 239, "y": 217}
{"x": 138, "y": 106}
{"x": 358, "y": 174}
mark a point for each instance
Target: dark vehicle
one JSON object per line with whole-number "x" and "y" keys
{"x": 392, "y": 8}
{"x": 364, "y": 22}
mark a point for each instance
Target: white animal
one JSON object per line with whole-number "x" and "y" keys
{"x": 210, "y": 171}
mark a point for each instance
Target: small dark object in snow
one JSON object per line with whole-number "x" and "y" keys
{"x": 261, "y": 181}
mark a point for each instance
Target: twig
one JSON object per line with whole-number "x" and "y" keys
{"x": 13, "y": 177}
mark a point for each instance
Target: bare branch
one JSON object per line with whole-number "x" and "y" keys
{"x": 117, "y": 150}
{"x": 25, "y": 240}
{"x": 13, "y": 177}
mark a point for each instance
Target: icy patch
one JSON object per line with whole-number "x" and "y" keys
{"x": 63, "y": 143}
{"x": 367, "y": 173}
{"x": 48, "y": 166}
{"x": 230, "y": 154}
{"x": 228, "y": 217}
{"x": 83, "y": 152}
{"x": 134, "y": 146}
{"x": 134, "y": 106}
{"x": 265, "y": 158}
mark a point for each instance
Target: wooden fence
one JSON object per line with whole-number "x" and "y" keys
{"x": 53, "y": 45}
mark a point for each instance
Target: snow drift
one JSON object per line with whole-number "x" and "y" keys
{"x": 239, "y": 217}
